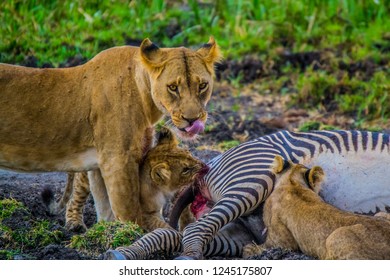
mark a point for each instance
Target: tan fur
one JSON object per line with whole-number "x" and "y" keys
{"x": 298, "y": 219}
{"x": 74, "y": 208}
{"x": 166, "y": 169}
{"x": 73, "y": 200}
{"x": 161, "y": 175}
{"x": 383, "y": 215}
{"x": 93, "y": 116}
{"x": 57, "y": 207}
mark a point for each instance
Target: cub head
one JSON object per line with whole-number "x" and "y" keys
{"x": 288, "y": 172}
{"x": 181, "y": 83}
{"x": 171, "y": 167}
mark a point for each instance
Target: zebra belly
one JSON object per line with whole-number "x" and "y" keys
{"x": 356, "y": 181}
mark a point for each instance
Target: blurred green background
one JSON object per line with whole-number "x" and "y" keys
{"x": 344, "y": 33}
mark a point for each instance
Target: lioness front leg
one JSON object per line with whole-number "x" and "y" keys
{"x": 122, "y": 183}
{"x": 100, "y": 196}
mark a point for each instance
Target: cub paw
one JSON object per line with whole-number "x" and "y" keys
{"x": 252, "y": 250}
{"x": 383, "y": 215}
{"x": 75, "y": 226}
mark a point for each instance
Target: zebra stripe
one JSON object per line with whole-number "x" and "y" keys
{"x": 240, "y": 180}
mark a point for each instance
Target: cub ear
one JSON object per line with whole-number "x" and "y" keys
{"x": 279, "y": 164}
{"x": 210, "y": 52}
{"x": 151, "y": 55}
{"x": 160, "y": 173}
{"x": 315, "y": 178}
{"x": 167, "y": 137}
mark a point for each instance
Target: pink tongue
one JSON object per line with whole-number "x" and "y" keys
{"x": 196, "y": 127}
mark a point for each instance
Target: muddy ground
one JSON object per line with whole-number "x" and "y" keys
{"x": 236, "y": 114}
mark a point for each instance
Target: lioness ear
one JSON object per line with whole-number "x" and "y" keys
{"x": 210, "y": 52}
{"x": 279, "y": 164}
{"x": 315, "y": 178}
{"x": 167, "y": 137}
{"x": 151, "y": 54}
{"x": 160, "y": 173}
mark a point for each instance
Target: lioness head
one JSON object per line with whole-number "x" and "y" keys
{"x": 288, "y": 172}
{"x": 172, "y": 167}
{"x": 181, "y": 83}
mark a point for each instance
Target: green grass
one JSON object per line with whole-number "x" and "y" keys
{"x": 55, "y": 30}
{"x": 8, "y": 207}
{"x": 315, "y": 125}
{"x": 352, "y": 30}
{"x": 364, "y": 99}
{"x": 226, "y": 145}
{"x": 8, "y": 255}
{"x": 38, "y": 233}
{"x": 106, "y": 235}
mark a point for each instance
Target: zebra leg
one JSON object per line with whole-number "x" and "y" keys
{"x": 162, "y": 239}
{"x": 234, "y": 204}
{"x": 230, "y": 241}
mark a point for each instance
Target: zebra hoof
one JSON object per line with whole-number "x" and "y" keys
{"x": 186, "y": 258}
{"x": 113, "y": 255}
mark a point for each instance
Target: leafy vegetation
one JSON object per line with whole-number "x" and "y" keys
{"x": 365, "y": 99}
{"x": 315, "y": 125}
{"x": 17, "y": 240}
{"x": 106, "y": 235}
{"x": 8, "y": 207}
{"x": 18, "y": 236}
{"x": 55, "y": 30}
{"x": 226, "y": 145}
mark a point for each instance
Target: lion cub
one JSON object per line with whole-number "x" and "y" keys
{"x": 164, "y": 170}
{"x": 298, "y": 219}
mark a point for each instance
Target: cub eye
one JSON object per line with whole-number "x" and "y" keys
{"x": 172, "y": 88}
{"x": 202, "y": 86}
{"x": 185, "y": 170}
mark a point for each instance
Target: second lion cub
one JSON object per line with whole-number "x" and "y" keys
{"x": 298, "y": 219}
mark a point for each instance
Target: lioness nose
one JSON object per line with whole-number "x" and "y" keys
{"x": 190, "y": 120}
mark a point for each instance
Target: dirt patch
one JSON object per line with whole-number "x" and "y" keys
{"x": 27, "y": 188}
{"x": 280, "y": 254}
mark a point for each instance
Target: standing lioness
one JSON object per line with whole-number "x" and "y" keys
{"x": 94, "y": 116}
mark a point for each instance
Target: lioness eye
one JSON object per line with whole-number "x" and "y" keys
{"x": 202, "y": 86}
{"x": 172, "y": 88}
